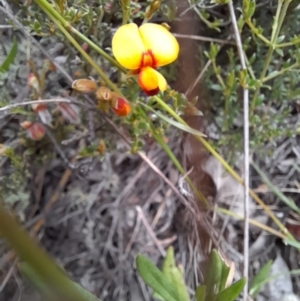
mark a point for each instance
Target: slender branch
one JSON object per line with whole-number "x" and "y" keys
{"x": 252, "y": 222}
{"x": 126, "y": 11}
{"x": 280, "y": 72}
{"x": 83, "y": 53}
{"x": 202, "y": 38}
{"x": 246, "y": 150}
{"x": 32, "y": 102}
{"x": 278, "y": 20}
{"x": 287, "y": 44}
{"x": 69, "y": 27}
{"x": 255, "y": 31}
{"x": 194, "y": 84}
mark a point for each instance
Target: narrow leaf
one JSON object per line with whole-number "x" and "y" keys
{"x": 27, "y": 249}
{"x": 289, "y": 202}
{"x": 213, "y": 274}
{"x": 293, "y": 243}
{"x": 224, "y": 276}
{"x": 174, "y": 123}
{"x": 175, "y": 275}
{"x": 258, "y": 280}
{"x": 200, "y": 293}
{"x": 232, "y": 292}
{"x": 39, "y": 285}
{"x": 10, "y": 58}
{"x": 156, "y": 279}
{"x": 44, "y": 288}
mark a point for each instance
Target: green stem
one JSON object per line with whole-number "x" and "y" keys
{"x": 279, "y": 18}
{"x": 287, "y": 44}
{"x": 28, "y": 250}
{"x": 49, "y": 8}
{"x": 220, "y": 79}
{"x": 177, "y": 164}
{"x": 126, "y": 11}
{"x": 280, "y": 72}
{"x": 169, "y": 152}
{"x": 255, "y": 31}
{"x": 83, "y": 53}
{"x": 251, "y": 221}
{"x": 227, "y": 167}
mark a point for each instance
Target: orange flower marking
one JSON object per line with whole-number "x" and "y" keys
{"x": 143, "y": 49}
{"x": 120, "y": 106}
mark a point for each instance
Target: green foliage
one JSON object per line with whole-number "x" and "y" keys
{"x": 45, "y": 290}
{"x": 10, "y": 57}
{"x": 156, "y": 279}
{"x": 40, "y": 268}
{"x": 272, "y": 58}
{"x": 258, "y": 280}
{"x": 168, "y": 284}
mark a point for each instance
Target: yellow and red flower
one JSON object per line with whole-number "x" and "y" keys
{"x": 143, "y": 49}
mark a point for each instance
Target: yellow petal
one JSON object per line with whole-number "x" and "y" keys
{"x": 161, "y": 42}
{"x": 128, "y": 47}
{"x": 151, "y": 81}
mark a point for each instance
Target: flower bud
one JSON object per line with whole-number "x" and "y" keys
{"x": 35, "y": 131}
{"x": 155, "y": 5}
{"x": 166, "y": 26}
{"x": 36, "y": 107}
{"x": 103, "y": 94}
{"x": 85, "y": 47}
{"x": 42, "y": 111}
{"x": 84, "y": 85}
{"x": 152, "y": 8}
{"x": 33, "y": 82}
{"x": 120, "y": 106}
{"x": 70, "y": 112}
{"x": 101, "y": 147}
{"x": 26, "y": 124}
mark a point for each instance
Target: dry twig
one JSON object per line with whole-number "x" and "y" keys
{"x": 246, "y": 150}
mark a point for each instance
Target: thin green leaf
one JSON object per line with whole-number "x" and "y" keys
{"x": 257, "y": 281}
{"x": 10, "y": 58}
{"x": 212, "y": 277}
{"x": 224, "y": 276}
{"x": 156, "y": 279}
{"x": 168, "y": 264}
{"x": 39, "y": 285}
{"x": 289, "y": 202}
{"x": 232, "y": 292}
{"x": 200, "y": 293}
{"x": 175, "y": 275}
{"x": 292, "y": 243}
{"x": 44, "y": 288}
{"x": 174, "y": 123}
{"x": 45, "y": 268}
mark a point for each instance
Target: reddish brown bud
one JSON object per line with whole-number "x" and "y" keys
{"x": 84, "y": 85}
{"x": 42, "y": 111}
{"x": 36, "y": 107}
{"x": 32, "y": 82}
{"x": 120, "y": 106}
{"x": 103, "y": 94}
{"x": 26, "y": 124}
{"x": 70, "y": 112}
{"x": 85, "y": 47}
{"x": 36, "y": 131}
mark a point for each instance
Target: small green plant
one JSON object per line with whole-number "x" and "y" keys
{"x": 168, "y": 284}
{"x": 272, "y": 59}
